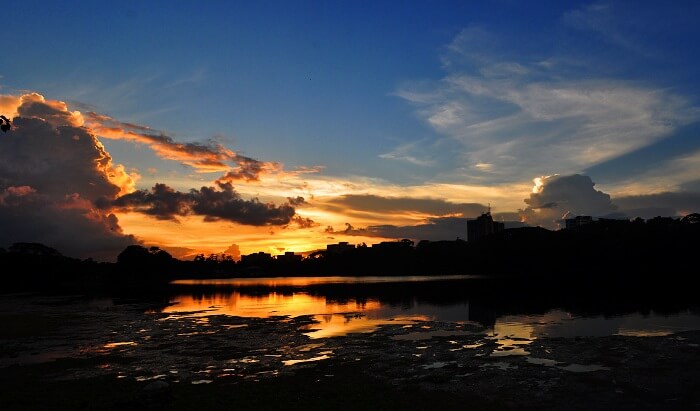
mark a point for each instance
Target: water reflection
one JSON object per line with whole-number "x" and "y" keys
{"x": 344, "y": 305}
{"x": 263, "y": 306}
{"x": 331, "y": 318}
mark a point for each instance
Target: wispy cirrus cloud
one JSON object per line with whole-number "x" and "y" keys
{"x": 408, "y": 152}
{"x": 601, "y": 18}
{"x": 517, "y": 116}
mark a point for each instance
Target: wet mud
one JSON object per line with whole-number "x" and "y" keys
{"x": 75, "y": 353}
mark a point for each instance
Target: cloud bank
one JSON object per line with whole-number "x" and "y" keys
{"x": 214, "y": 203}
{"x": 59, "y": 186}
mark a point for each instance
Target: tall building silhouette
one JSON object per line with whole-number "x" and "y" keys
{"x": 578, "y": 221}
{"x": 483, "y": 226}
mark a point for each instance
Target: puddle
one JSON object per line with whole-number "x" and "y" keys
{"x": 338, "y": 325}
{"x": 118, "y": 344}
{"x": 312, "y": 359}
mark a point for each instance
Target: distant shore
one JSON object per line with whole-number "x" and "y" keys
{"x": 658, "y": 251}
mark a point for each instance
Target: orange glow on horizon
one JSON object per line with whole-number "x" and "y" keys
{"x": 192, "y": 235}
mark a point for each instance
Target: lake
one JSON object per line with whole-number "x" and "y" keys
{"x": 337, "y": 311}
{"x": 403, "y": 331}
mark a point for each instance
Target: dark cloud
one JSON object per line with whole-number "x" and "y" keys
{"x": 373, "y": 203}
{"x": 296, "y": 201}
{"x": 161, "y": 202}
{"x": 303, "y": 222}
{"x": 58, "y": 161}
{"x": 51, "y": 171}
{"x": 443, "y": 228}
{"x": 214, "y": 203}
{"x": 561, "y": 196}
{"x": 70, "y": 225}
{"x": 669, "y": 204}
{"x": 248, "y": 169}
{"x": 227, "y": 204}
{"x": 434, "y": 229}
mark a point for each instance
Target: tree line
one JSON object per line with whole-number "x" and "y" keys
{"x": 602, "y": 250}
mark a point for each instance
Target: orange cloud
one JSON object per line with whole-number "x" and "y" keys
{"x": 204, "y": 158}
{"x": 54, "y": 112}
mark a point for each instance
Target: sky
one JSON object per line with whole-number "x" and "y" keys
{"x": 279, "y": 126}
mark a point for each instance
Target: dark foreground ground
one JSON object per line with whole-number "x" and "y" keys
{"x": 234, "y": 363}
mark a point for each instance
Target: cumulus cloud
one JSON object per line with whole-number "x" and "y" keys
{"x": 51, "y": 171}
{"x": 60, "y": 161}
{"x": 53, "y": 112}
{"x": 234, "y": 251}
{"x": 557, "y": 197}
{"x": 214, "y": 203}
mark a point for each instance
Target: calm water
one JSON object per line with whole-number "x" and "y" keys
{"x": 249, "y": 328}
{"x": 343, "y": 305}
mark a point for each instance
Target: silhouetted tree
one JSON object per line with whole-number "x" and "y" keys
{"x": 693, "y": 218}
{"x": 5, "y": 123}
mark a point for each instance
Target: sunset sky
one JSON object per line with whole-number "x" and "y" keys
{"x": 245, "y": 126}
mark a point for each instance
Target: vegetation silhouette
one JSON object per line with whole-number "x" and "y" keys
{"x": 5, "y": 124}
{"x": 657, "y": 251}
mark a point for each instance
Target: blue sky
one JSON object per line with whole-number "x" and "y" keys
{"x": 464, "y": 102}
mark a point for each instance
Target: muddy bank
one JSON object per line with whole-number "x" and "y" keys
{"x": 71, "y": 353}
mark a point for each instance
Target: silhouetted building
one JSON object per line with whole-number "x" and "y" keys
{"x": 339, "y": 248}
{"x": 578, "y": 221}
{"x": 256, "y": 258}
{"x": 393, "y": 245}
{"x": 289, "y": 257}
{"x": 483, "y": 226}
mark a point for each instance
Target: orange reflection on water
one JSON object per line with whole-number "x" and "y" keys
{"x": 264, "y": 306}
{"x": 335, "y": 325}
{"x": 332, "y": 318}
